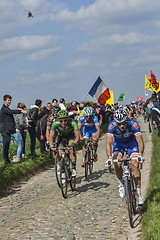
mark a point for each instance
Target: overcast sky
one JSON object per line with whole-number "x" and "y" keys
{"x": 67, "y": 44}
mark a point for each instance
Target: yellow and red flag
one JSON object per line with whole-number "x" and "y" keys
{"x": 110, "y": 101}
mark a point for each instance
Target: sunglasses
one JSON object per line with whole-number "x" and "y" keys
{"x": 63, "y": 120}
{"x": 121, "y": 123}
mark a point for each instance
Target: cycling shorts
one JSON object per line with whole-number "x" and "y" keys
{"x": 132, "y": 146}
{"x": 90, "y": 133}
{"x": 61, "y": 141}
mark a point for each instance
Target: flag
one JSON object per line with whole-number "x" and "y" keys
{"x": 154, "y": 82}
{"x": 140, "y": 98}
{"x": 148, "y": 83}
{"x": 110, "y": 100}
{"x": 121, "y": 97}
{"x": 153, "y": 78}
{"x": 100, "y": 91}
{"x": 151, "y": 87}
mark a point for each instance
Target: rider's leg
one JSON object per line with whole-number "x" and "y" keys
{"x": 118, "y": 167}
{"x": 72, "y": 156}
{"x": 95, "y": 145}
{"x": 119, "y": 173}
{"x": 137, "y": 179}
{"x": 136, "y": 172}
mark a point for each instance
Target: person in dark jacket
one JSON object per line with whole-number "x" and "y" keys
{"x": 33, "y": 116}
{"x": 7, "y": 124}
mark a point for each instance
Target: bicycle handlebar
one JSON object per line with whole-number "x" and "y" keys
{"x": 64, "y": 148}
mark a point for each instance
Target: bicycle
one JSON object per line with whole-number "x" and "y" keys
{"x": 88, "y": 157}
{"x": 63, "y": 170}
{"x": 129, "y": 188}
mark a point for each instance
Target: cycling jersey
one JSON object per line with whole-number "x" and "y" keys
{"x": 130, "y": 132}
{"x": 67, "y": 131}
{"x": 125, "y": 139}
{"x": 88, "y": 127}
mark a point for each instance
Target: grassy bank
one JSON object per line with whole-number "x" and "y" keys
{"x": 14, "y": 172}
{"x": 151, "y": 217}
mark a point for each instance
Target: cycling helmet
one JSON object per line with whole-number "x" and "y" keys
{"x": 87, "y": 111}
{"x": 121, "y": 116}
{"x": 62, "y": 114}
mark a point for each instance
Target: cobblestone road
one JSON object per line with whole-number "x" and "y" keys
{"x": 37, "y": 210}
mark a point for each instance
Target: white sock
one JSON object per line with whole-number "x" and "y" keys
{"x": 139, "y": 190}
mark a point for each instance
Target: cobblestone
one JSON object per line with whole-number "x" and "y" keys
{"x": 37, "y": 210}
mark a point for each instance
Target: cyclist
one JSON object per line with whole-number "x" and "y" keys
{"x": 125, "y": 133}
{"x": 67, "y": 130}
{"x": 91, "y": 127}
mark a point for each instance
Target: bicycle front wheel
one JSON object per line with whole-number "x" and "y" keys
{"x": 57, "y": 171}
{"x": 129, "y": 201}
{"x": 63, "y": 178}
{"x": 133, "y": 194}
{"x": 73, "y": 183}
{"x": 90, "y": 161}
{"x": 86, "y": 164}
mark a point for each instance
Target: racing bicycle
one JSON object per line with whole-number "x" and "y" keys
{"x": 88, "y": 157}
{"x": 63, "y": 170}
{"x": 129, "y": 188}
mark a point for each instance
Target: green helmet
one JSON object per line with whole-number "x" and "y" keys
{"x": 62, "y": 114}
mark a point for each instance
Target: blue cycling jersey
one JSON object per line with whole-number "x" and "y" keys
{"x": 88, "y": 126}
{"x": 126, "y": 136}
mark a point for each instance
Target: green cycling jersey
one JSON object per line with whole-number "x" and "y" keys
{"x": 67, "y": 131}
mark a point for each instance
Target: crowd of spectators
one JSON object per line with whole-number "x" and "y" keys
{"x": 37, "y": 120}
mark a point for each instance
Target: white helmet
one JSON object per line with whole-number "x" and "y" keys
{"x": 88, "y": 111}
{"x": 120, "y": 116}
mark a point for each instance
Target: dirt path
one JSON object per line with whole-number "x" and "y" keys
{"x": 122, "y": 230}
{"x": 36, "y": 209}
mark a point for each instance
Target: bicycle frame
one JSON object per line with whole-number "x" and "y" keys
{"x": 129, "y": 190}
{"x": 88, "y": 157}
{"x": 65, "y": 169}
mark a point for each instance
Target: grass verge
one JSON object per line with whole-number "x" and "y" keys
{"x": 151, "y": 217}
{"x": 14, "y": 172}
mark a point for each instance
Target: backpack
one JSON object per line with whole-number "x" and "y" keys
{"x": 20, "y": 122}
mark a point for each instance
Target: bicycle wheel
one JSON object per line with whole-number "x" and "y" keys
{"x": 133, "y": 193}
{"x": 90, "y": 161}
{"x": 86, "y": 164}
{"x": 63, "y": 178}
{"x": 57, "y": 171}
{"x": 129, "y": 201}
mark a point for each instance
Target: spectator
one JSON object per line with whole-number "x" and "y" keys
{"x": 33, "y": 115}
{"x": 23, "y": 131}
{"x": 80, "y": 110}
{"x": 54, "y": 102}
{"x": 74, "y": 107}
{"x": 62, "y": 102}
{"x": 7, "y": 125}
{"x": 108, "y": 117}
{"x": 45, "y": 111}
{"x": 21, "y": 125}
{"x": 41, "y": 131}
{"x": 51, "y": 118}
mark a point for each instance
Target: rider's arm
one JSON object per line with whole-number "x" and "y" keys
{"x": 48, "y": 128}
{"x": 139, "y": 140}
{"x": 79, "y": 127}
{"x": 51, "y": 137}
{"x": 98, "y": 131}
{"x": 109, "y": 145}
{"x": 77, "y": 135}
